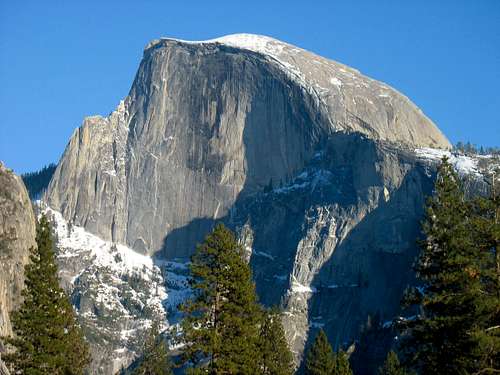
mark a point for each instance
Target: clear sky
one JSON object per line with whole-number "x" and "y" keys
{"x": 63, "y": 60}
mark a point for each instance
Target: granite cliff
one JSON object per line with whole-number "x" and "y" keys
{"x": 206, "y": 123}
{"x": 321, "y": 170}
{"x": 17, "y": 236}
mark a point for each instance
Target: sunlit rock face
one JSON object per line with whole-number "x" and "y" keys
{"x": 17, "y": 236}
{"x": 208, "y": 122}
{"x": 312, "y": 163}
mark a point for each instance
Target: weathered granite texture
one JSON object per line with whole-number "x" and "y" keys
{"x": 336, "y": 245}
{"x": 17, "y": 236}
{"x": 310, "y": 161}
{"x": 205, "y": 121}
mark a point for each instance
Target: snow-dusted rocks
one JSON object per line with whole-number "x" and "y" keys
{"x": 116, "y": 292}
{"x": 475, "y": 166}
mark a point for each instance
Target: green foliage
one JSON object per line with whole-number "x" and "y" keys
{"x": 485, "y": 233}
{"x": 392, "y": 366}
{"x": 276, "y": 358}
{"x": 453, "y": 334}
{"x": 47, "y": 339}
{"x": 221, "y": 325}
{"x": 154, "y": 360}
{"x": 342, "y": 365}
{"x": 37, "y": 182}
{"x": 320, "y": 358}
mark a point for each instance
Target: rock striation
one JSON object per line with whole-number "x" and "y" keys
{"x": 17, "y": 236}
{"x": 206, "y": 122}
{"x": 311, "y": 162}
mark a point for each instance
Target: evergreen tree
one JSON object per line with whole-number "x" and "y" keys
{"x": 342, "y": 365}
{"x": 47, "y": 339}
{"x": 320, "y": 359}
{"x": 276, "y": 358}
{"x": 441, "y": 339}
{"x": 221, "y": 325}
{"x": 486, "y": 237}
{"x": 154, "y": 360}
{"x": 392, "y": 366}
{"x": 37, "y": 182}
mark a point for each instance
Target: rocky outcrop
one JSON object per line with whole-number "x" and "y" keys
{"x": 312, "y": 163}
{"x": 17, "y": 236}
{"x": 207, "y": 122}
{"x": 115, "y": 291}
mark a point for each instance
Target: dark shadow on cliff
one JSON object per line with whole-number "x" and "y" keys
{"x": 281, "y": 132}
{"x": 369, "y": 271}
{"x": 184, "y": 239}
{"x": 278, "y": 208}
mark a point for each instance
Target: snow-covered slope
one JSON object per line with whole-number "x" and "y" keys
{"x": 116, "y": 291}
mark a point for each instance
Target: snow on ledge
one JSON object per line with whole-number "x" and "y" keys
{"x": 77, "y": 238}
{"x": 464, "y": 165}
{"x": 299, "y": 288}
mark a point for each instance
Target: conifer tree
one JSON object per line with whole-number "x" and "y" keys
{"x": 486, "y": 237}
{"x": 276, "y": 358}
{"x": 47, "y": 339}
{"x": 392, "y": 366}
{"x": 320, "y": 359}
{"x": 342, "y": 365}
{"x": 441, "y": 339}
{"x": 221, "y": 325}
{"x": 154, "y": 360}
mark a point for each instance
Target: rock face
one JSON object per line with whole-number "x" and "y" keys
{"x": 205, "y": 123}
{"x": 310, "y": 161}
{"x": 17, "y": 236}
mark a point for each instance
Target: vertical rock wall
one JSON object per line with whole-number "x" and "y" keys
{"x": 17, "y": 236}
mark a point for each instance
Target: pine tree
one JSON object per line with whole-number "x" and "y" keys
{"x": 342, "y": 365}
{"x": 392, "y": 366}
{"x": 47, "y": 339}
{"x": 486, "y": 237}
{"x": 154, "y": 360}
{"x": 441, "y": 340}
{"x": 221, "y": 325}
{"x": 320, "y": 358}
{"x": 276, "y": 358}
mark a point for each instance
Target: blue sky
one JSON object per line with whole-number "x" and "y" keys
{"x": 63, "y": 60}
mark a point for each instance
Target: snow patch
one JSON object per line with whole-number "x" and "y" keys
{"x": 307, "y": 179}
{"x": 464, "y": 165}
{"x": 299, "y": 288}
{"x": 117, "y": 259}
{"x": 336, "y": 82}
